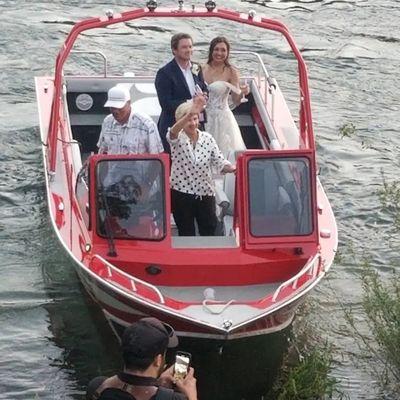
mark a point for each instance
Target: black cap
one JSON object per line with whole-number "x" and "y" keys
{"x": 148, "y": 337}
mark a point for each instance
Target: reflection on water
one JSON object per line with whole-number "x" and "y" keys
{"x": 87, "y": 345}
{"x": 225, "y": 370}
{"x": 237, "y": 369}
{"x": 77, "y": 327}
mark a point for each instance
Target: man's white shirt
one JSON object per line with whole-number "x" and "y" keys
{"x": 187, "y": 73}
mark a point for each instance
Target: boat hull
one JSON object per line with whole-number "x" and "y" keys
{"x": 121, "y": 311}
{"x": 129, "y": 286}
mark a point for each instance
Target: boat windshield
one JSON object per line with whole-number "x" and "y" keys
{"x": 280, "y": 197}
{"x": 130, "y": 199}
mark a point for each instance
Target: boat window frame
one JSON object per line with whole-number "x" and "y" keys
{"x": 243, "y": 195}
{"x": 163, "y": 159}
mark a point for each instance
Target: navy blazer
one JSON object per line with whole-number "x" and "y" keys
{"x": 172, "y": 90}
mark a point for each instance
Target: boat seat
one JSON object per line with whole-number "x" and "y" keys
{"x": 149, "y": 106}
{"x": 147, "y": 88}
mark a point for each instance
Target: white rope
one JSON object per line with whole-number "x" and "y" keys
{"x": 214, "y": 303}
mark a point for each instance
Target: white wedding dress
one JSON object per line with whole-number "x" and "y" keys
{"x": 221, "y": 122}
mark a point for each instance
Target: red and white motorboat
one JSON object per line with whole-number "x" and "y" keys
{"x": 277, "y": 235}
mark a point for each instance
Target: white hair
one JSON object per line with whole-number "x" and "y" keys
{"x": 183, "y": 109}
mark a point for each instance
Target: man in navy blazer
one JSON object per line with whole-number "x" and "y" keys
{"x": 176, "y": 82}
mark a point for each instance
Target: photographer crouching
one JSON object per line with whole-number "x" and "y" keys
{"x": 144, "y": 345}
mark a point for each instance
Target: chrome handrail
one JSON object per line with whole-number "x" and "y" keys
{"x": 311, "y": 264}
{"x": 270, "y": 82}
{"x": 261, "y": 68}
{"x": 261, "y": 64}
{"x": 101, "y": 54}
{"x": 131, "y": 278}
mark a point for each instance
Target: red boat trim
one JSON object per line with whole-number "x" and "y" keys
{"x": 273, "y": 307}
{"x": 59, "y": 211}
{"x": 306, "y": 129}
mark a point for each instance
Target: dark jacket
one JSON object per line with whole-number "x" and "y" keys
{"x": 121, "y": 386}
{"x": 172, "y": 90}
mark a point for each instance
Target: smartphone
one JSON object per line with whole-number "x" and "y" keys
{"x": 182, "y": 364}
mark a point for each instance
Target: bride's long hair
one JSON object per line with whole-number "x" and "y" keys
{"x": 213, "y": 43}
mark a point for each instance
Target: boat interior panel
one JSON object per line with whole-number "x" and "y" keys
{"x": 86, "y": 98}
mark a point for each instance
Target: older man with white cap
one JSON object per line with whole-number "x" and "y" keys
{"x": 125, "y": 131}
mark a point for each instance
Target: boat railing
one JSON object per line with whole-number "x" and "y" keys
{"x": 311, "y": 269}
{"x": 262, "y": 73}
{"x": 112, "y": 269}
{"x": 97, "y": 52}
{"x": 270, "y": 84}
{"x": 305, "y": 116}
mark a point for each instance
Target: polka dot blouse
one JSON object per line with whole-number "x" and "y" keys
{"x": 191, "y": 170}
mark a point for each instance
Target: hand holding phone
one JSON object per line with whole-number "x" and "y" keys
{"x": 182, "y": 364}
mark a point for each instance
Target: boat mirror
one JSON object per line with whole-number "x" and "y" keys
{"x": 151, "y": 5}
{"x": 210, "y": 5}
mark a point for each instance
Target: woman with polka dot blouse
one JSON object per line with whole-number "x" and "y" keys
{"x": 194, "y": 153}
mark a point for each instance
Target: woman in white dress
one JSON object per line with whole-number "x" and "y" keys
{"x": 223, "y": 79}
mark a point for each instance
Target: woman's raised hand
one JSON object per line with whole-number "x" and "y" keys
{"x": 199, "y": 103}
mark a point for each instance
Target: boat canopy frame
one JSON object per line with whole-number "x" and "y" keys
{"x": 56, "y": 118}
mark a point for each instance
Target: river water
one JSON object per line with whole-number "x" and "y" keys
{"x": 52, "y": 338}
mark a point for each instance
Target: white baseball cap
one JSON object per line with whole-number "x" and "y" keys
{"x": 117, "y": 97}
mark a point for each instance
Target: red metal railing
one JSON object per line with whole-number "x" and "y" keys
{"x": 306, "y": 129}
{"x": 126, "y": 282}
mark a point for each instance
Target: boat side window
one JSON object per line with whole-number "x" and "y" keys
{"x": 82, "y": 193}
{"x": 280, "y": 197}
{"x": 130, "y": 199}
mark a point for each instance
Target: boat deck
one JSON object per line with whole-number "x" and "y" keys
{"x": 219, "y": 293}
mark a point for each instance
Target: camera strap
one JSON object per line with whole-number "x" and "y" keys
{"x": 114, "y": 389}
{"x": 135, "y": 380}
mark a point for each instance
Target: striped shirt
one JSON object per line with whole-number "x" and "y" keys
{"x": 137, "y": 136}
